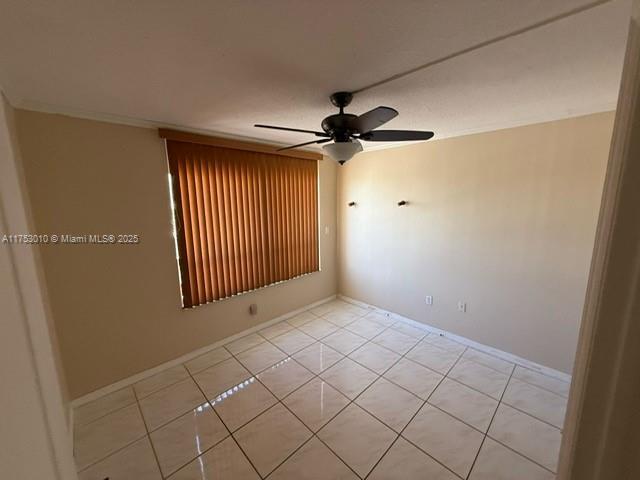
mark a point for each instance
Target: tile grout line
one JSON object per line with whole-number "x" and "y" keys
{"x": 123, "y": 447}
{"x": 511, "y": 363}
{"x": 548, "y": 424}
{"x": 428, "y": 333}
{"x": 459, "y": 419}
{"x": 378, "y": 376}
{"x": 472, "y": 426}
{"x": 315, "y": 375}
{"x": 486, "y": 434}
{"x": 369, "y": 311}
{"x": 77, "y": 425}
{"x": 402, "y": 356}
{"x": 189, "y": 375}
{"x": 279, "y": 401}
{"x": 517, "y": 366}
{"x": 490, "y": 423}
{"x": 207, "y": 401}
{"x": 178, "y": 415}
{"x": 110, "y": 454}
{"x": 510, "y": 376}
{"x": 520, "y": 379}
{"x": 350, "y": 401}
{"x": 339, "y": 327}
{"x": 200, "y": 370}
{"x": 546, "y": 390}
{"x": 475, "y": 346}
{"x": 445, "y": 376}
{"x": 387, "y": 327}
{"x": 292, "y": 358}
{"x": 500, "y": 401}
{"x": 127, "y": 445}
{"x": 144, "y": 421}
{"x": 146, "y": 374}
{"x": 230, "y": 433}
{"x": 414, "y": 416}
{"x": 520, "y": 454}
{"x": 135, "y": 394}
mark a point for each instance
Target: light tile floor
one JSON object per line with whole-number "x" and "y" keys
{"x": 337, "y": 392}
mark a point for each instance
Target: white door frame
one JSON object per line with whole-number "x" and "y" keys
{"x": 36, "y": 425}
{"x": 602, "y": 430}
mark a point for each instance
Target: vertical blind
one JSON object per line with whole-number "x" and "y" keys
{"x": 244, "y": 219}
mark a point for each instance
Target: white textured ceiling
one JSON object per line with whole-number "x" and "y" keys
{"x": 222, "y": 66}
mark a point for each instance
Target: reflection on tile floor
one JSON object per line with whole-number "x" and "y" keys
{"x": 337, "y": 392}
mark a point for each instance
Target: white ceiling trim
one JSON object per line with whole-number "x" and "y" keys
{"x": 132, "y": 121}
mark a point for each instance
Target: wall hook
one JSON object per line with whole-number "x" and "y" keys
{"x": 401, "y": 203}
{"x": 352, "y": 204}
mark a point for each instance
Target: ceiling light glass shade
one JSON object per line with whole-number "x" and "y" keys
{"x": 342, "y": 151}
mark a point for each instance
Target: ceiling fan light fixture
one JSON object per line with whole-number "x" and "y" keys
{"x": 342, "y": 151}
{"x": 346, "y": 129}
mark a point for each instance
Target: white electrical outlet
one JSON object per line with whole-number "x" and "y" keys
{"x": 428, "y": 300}
{"x": 462, "y": 307}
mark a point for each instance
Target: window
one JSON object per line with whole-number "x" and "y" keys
{"x": 244, "y": 219}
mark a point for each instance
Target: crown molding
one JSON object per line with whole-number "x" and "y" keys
{"x": 42, "y": 107}
{"x": 36, "y": 106}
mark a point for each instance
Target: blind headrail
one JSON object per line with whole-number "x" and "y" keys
{"x": 181, "y": 136}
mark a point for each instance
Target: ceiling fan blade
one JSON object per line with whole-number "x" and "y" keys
{"x": 313, "y": 132}
{"x": 324, "y": 140}
{"x": 372, "y": 119}
{"x": 395, "y": 136}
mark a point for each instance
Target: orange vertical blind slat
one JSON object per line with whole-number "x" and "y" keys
{"x": 244, "y": 219}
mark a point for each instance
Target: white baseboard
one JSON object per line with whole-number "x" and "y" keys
{"x": 196, "y": 353}
{"x": 509, "y": 357}
{"x": 188, "y": 356}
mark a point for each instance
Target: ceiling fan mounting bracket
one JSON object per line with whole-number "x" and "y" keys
{"x": 341, "y": 99}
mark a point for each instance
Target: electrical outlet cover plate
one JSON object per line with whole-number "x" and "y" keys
{"x": 462, "y": 307}
{"x": 428, "y": 300}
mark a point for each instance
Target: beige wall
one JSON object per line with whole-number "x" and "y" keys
{"x": 504, "y": 221}
{"x": 117, "y": 308}
{"x": 35, "y": 435}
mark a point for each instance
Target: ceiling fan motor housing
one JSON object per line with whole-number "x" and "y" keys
{"x": 338, "y": 126}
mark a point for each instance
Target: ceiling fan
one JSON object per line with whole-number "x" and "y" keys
{"x": 346, "y": 130}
